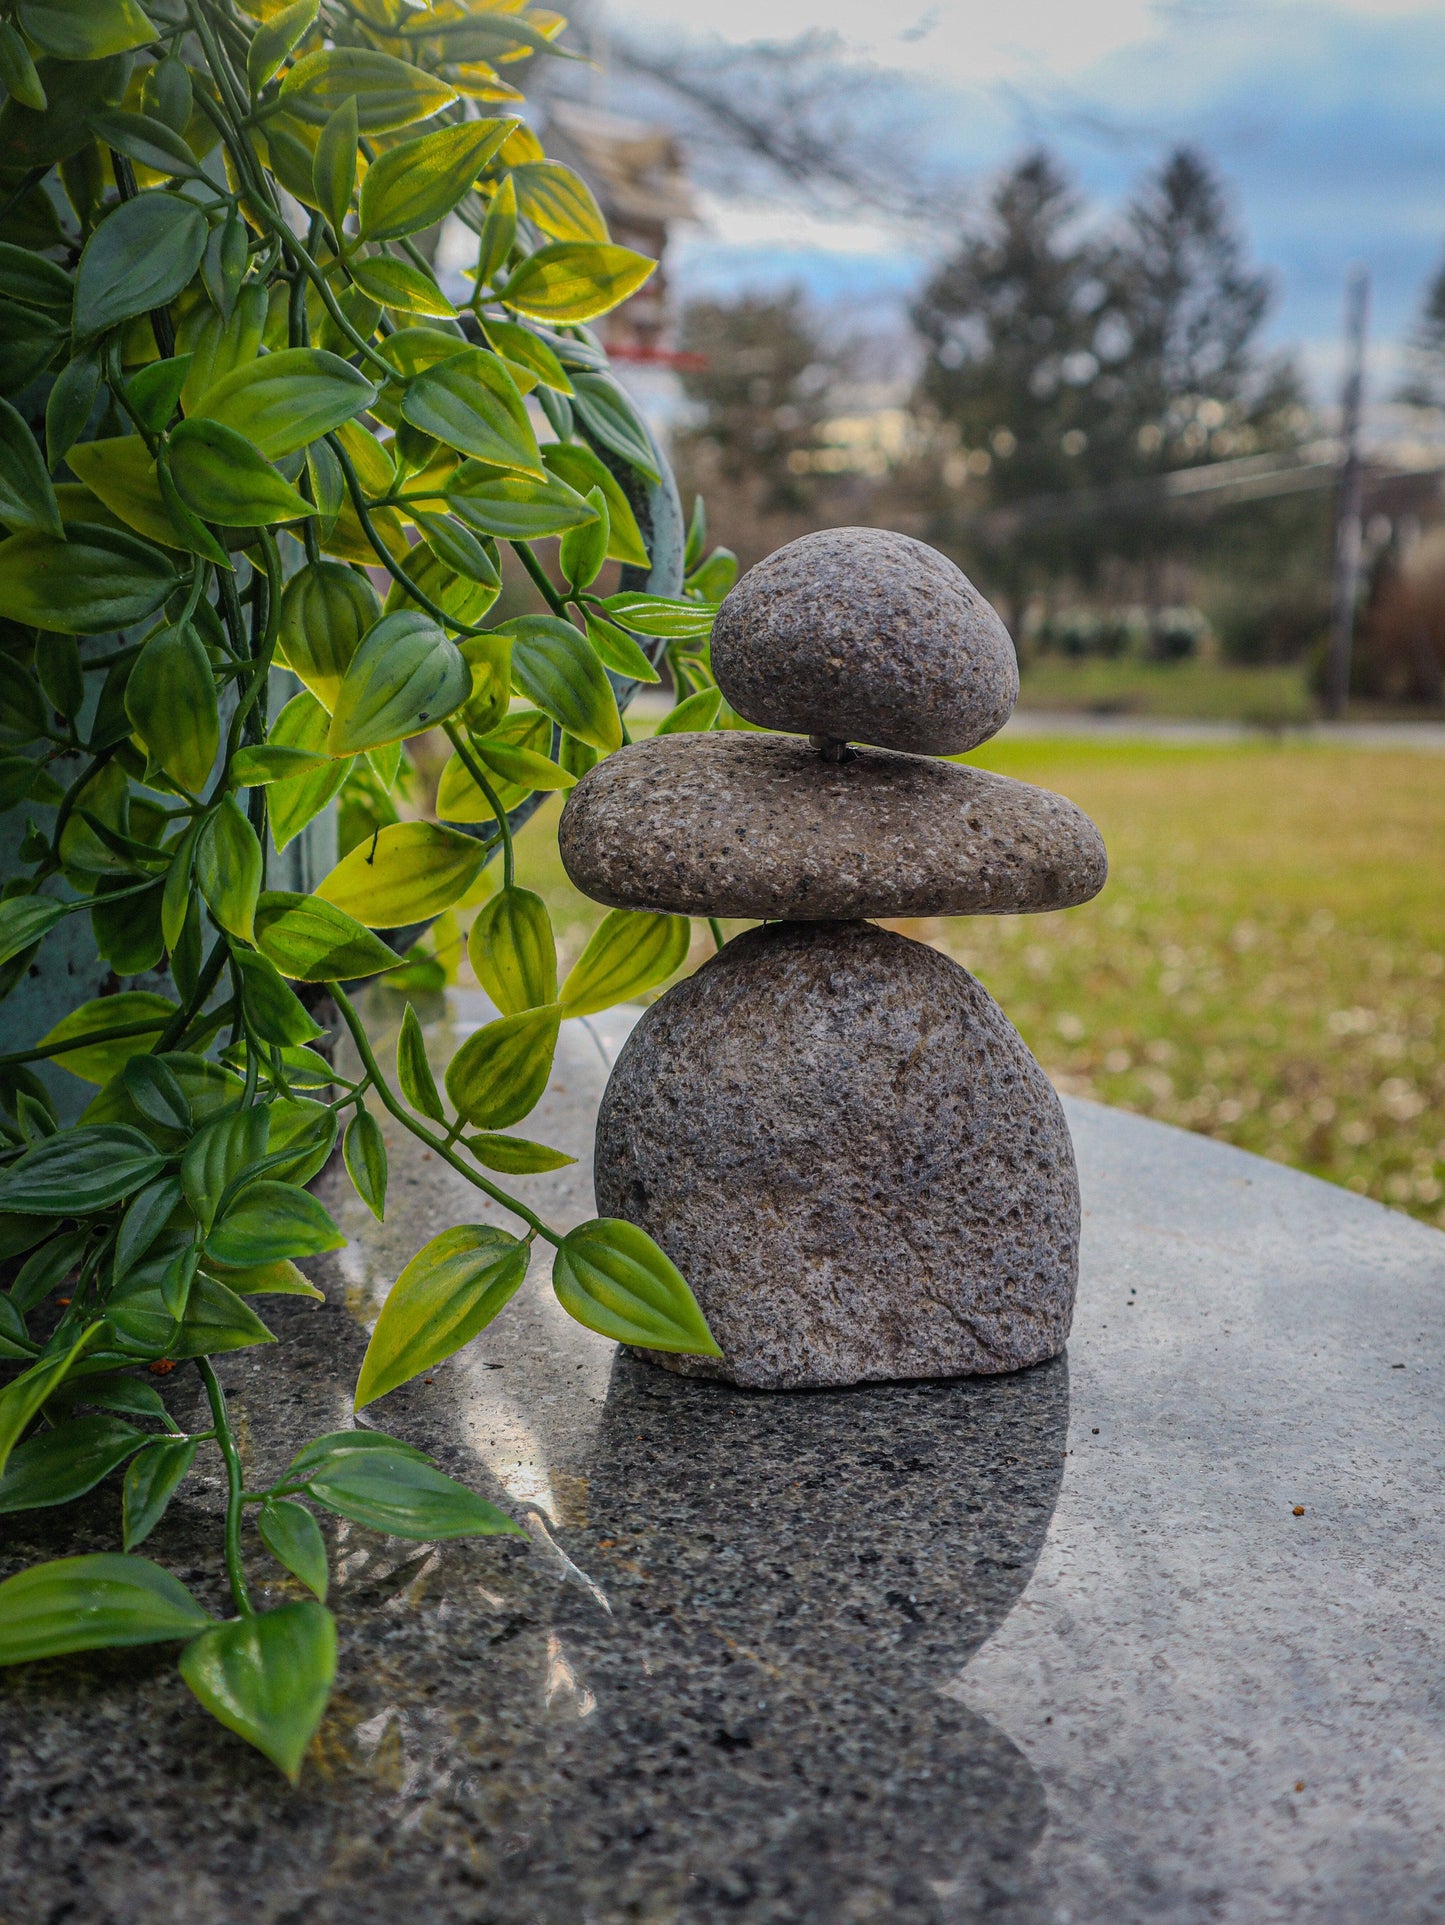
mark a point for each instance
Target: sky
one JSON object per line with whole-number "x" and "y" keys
{"x": 1327, "y": 118}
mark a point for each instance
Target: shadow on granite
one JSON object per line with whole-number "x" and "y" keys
{"x": 1050, "y": 1647}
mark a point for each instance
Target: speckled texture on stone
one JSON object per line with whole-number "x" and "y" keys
{"x": 847, "y": 1150}
{"x": 1038, "y": 1649}
{"x": 866, "y": 636}
{"x": 737, "y": 824}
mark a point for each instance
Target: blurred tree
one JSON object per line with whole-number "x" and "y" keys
{"x": 1016, "y": 331}
{"x": 1424, "y": 383}
{"x": 759, "y": 396}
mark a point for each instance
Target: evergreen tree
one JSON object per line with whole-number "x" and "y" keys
{"x": 1424, "y": 383}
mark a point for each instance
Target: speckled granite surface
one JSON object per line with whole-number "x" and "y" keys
{"x": 1050, "y": 1647}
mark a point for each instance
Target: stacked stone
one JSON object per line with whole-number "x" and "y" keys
{"x": 833, "y": 1130}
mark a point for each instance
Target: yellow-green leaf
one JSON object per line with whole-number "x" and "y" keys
{"x": 170, "y": 699}
{"x": 267, "y": 1678}
{"x": 513, "y": 951}
{"x": 221, "y": 477}
{"x": 388, "y": 92}
{"x": 451, "y": 1289}
{"x": 229, "y": 868}
{"x": 574, "y": 281}
{"x": 85, "y": 29}
{"x": 630, "y": 952}
{"x": 302, "y": 727}
{"x": 406, "y": 873}
{"x": 514, "y": 1155}
{"x": 500, "y": 1072}
{"x": 556, "y": 667}
{"x": 326, "y": 608}
{"x": 285, "y": 399}
{"x": 413, "y": 1070}
{"x": 98, "y": 1062}
{"x": 96, "y": 580}
{"x": 583, "y": 469}
{"x": 418, "y": 182}
{"x": 515, "y": 507}
{"x": 314, "y": 942}
{"x": 399, "y": 285}
{"x": 558, "y": 201}
{"x": 404, "y": 679}
{"x": 275, "y": 39}
{"x": 470, "y": 402}
{"x": 613, "y": 1278}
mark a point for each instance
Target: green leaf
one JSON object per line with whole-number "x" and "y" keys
{"x": 27, "y": 500}
{"x": 470, "y": 402}
{"x": 267, "y": 1678}
{"x": 660, "y": 614}
{"x": 584, "y": 550}
{"x": 153, "y": 1086}
{"x": 269, "y": 1221}
{"x": 499, "y": 233}
{"x": 85, "y": 29}
{"x": 150, "y": 1483}
{"x": 229, "y": 868}
{"x": 501, "y": 1070}
{"x": 333, "y": 171}
{"x": 149, "y": 142}
{"x": 290, "y": 397}
{"x": 514, "y": 1155}
{"x": 293, "y": 1537}
{"x": 631, "y": 951}
{"x": 558, "y": 201}
{"x": 364, "y": 1150}
{"x": 111, "y": 1390}
{"x": 153, "y": 393}
{"x": 147, "y": 1215}
{"x": 573, "y": 281}
{"x": 217, "y": 1154}
{"x": 413, "y": 1071}
{"x": 80, "y": 1171}
{"x": 443, "y": 1298}
{"x": 87, "y": 1603}
{"x": 554, "y": 666}
{"x": 281, "y": 1279}
{"x": 322, "y": 1454}
{"x": 407, "y": 872}
{"x": 612, "y": 1277}
{"x": 25, "y": 920}
{"x": 524, "y": 349}
{"x": 276, "y": 1013}
{"x": 404, "y": 679}
{"x": 265, "y": 763}
{"x": 326, "y": 608}
{"x": 69, "y": 406}
{"x": 389, "y": 93}
{"x": 514, "y": 954}
{"x": 459, "y": 550}
{"x": 618, "y": 650}
{"x": 609, "y": 417}
{"x": 98, "y": 1062}
{"x": 274, "y": 40}
{"x": 17, "y": 70}
{"x": 522, "y": 767}
{"x": 400, "y": 286}
{"x": 59, "y": 672}
{"x": 96, "y": 580}
{"x": 57, "y": 1466}
{"x": 312, "y": 942}
{"x": 514, "y": 507}
{"x": 25, "y": 1395}
{"x": 693, "y": 715}
{"x": 583, "y": 469}
{"x": 405, "y": 1497}
{"x": 22, "y": 706}
{"x": 170, "y": 699}
{"x": 139, "y": 258}
{"x": 47, "y": 1267}
{"x": 301, "y": 728}
{"x": 451, "y": 1289}
{"x": 419, "y": 182}
{"x": 222, "y": 478}
{"x": 217, "y": 1320}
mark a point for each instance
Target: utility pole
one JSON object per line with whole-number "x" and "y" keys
{"x": 1345, "y": 575}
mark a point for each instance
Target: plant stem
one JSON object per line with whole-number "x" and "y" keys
{"x": 383, "y": 554}
{"x": 539, "y": 575}
{"x": 717, "y": 931}
{"x": 419, "y": 1130}
{"x": 235, "y": 1487}
{"x": 475, "y": 770}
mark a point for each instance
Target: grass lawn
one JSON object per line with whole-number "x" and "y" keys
{"x": 1196, "y": 691}
{"x": 1266, "y": 965}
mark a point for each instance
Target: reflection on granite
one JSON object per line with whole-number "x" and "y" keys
{"x": 1048, "y": 1647}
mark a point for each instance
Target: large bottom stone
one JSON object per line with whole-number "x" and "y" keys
{"x": 845, "y": 1146}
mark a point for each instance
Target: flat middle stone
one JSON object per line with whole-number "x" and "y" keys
{"x": 752, "y": 825}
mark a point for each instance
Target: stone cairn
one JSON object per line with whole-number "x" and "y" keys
{"x": 832, "y": 1130}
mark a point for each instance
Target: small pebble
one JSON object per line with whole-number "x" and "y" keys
{"x": 1299, "y": 1510}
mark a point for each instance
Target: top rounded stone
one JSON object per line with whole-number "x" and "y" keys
{"x": 866, "y": 636}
